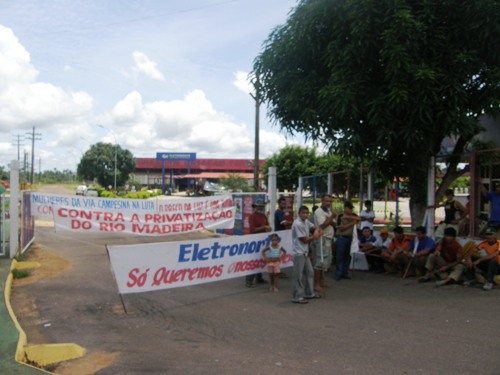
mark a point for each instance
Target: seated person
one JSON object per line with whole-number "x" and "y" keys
{"x": 446, "y": 258}
{"x": 420, "y": 247}
{"x": 392, "y": 256}
{"x": 486, "y": 258}
{"x": 367, "y": 246}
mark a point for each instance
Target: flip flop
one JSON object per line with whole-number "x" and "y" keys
{"x": 301, "y": 302}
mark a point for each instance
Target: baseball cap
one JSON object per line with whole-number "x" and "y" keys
{"x": 259, "y": 203}
{"x": 490, "y": 230}
{"x": 384, "y": 231}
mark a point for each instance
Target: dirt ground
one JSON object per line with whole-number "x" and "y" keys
{"x": 27, "y": 312}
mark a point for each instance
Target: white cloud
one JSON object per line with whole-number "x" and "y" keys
{"x": 147, "y": 66}
{"x": 191, "y": 124}
{"x": 24, "y": 102}
{"x": 242, "y": 83}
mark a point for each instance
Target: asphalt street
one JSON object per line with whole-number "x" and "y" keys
{"x": 371, "y": 324}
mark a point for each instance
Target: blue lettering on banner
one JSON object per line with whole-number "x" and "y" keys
{"x": 191, "y": 252}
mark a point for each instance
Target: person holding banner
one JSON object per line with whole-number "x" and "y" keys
{"x": 273, "y": 255}
{"x": 303, "y": 233}
{"x": 258, "y": 223}
{"x": 324, "y": 219}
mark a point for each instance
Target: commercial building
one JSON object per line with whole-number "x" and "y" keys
{"x": 183, "y": 174}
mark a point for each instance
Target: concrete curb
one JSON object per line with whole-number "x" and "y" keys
{"x": 40, "y": 355}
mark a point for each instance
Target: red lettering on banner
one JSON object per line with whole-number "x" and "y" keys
{"x": 227, "y": 203}
{"x": 249, "y": 265}
{"x": 165, "y": 228}
{"x": 135, "y": 219}
{"x": 89, "y": 215}
{"x": 139, "y": 280}
{"x": 110, "y": 227}
{"x": 44, "y": 210}
{"x": 85, "y": 225}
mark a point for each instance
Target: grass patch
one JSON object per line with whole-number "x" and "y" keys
{"x": 20, "y": 274}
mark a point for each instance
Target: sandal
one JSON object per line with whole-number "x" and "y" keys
{"x": 301, "y": 302}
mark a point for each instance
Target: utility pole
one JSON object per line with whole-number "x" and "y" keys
{"x": 39, "y": 170}
{"x": 256, "y": 165}
{"x": 33, "y": 137}
{"x": 25, "y": 166}
{"x": 19, "y": 143}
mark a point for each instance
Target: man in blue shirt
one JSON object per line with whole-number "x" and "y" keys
{"x": 420, "y": 247}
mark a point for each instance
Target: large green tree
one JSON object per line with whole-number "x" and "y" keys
{"x": 99, "y": 163}
{"x": 385, "y": 80}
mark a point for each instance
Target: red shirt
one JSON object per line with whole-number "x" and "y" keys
{"x": 450, "y": 251}
{"x": 256, "y": 220}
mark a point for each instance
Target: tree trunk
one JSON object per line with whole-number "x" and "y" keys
{"x": 418, "y": 202}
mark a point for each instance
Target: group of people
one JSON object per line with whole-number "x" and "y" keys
{"x": 324, "y": 239}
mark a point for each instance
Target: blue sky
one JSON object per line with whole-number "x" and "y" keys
{"x": 157, "y": 75}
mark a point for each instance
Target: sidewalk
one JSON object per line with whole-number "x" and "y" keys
{"x": 8, "y": 333}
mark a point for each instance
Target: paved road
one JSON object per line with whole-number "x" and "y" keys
{"x": 372, "y": 324}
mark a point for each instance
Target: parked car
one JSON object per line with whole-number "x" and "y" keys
{"x": 91, "y": 192}
{"x": 80, "y": 190}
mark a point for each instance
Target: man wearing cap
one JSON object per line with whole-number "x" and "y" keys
{"x": 258, "y": 223}
{"x": 486, "y": 258}
{"x": 346, "y": 224}
{"x": 453, "y": 212}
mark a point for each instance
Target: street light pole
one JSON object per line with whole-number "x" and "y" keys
{"x": 256, "y": 165}
{"x": 116, "y": 152}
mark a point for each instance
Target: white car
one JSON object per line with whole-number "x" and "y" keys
{"x": 80, "y": 190}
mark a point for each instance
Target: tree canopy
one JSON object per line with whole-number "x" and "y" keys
{"x": 99, "y": 163}
{"x": 384, "y": 80}
{"x": 296, "y": 161}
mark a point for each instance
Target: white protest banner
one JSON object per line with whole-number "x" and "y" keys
{"x": 157, "y": 266}
{"x": 170, "y": 217}
{"x": 43, "y": 204}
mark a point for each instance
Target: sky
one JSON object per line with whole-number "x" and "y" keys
{"x": 150, "y": 75}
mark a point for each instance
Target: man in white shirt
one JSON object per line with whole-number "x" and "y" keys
{"x": 302, "y": 278}
{"x": 367, "y": 216}
{"x": 324, "y": 219}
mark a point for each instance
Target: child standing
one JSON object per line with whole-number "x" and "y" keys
{"x": 273, "y": 255}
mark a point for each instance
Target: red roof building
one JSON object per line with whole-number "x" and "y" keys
{"x": 148, "y": 171}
